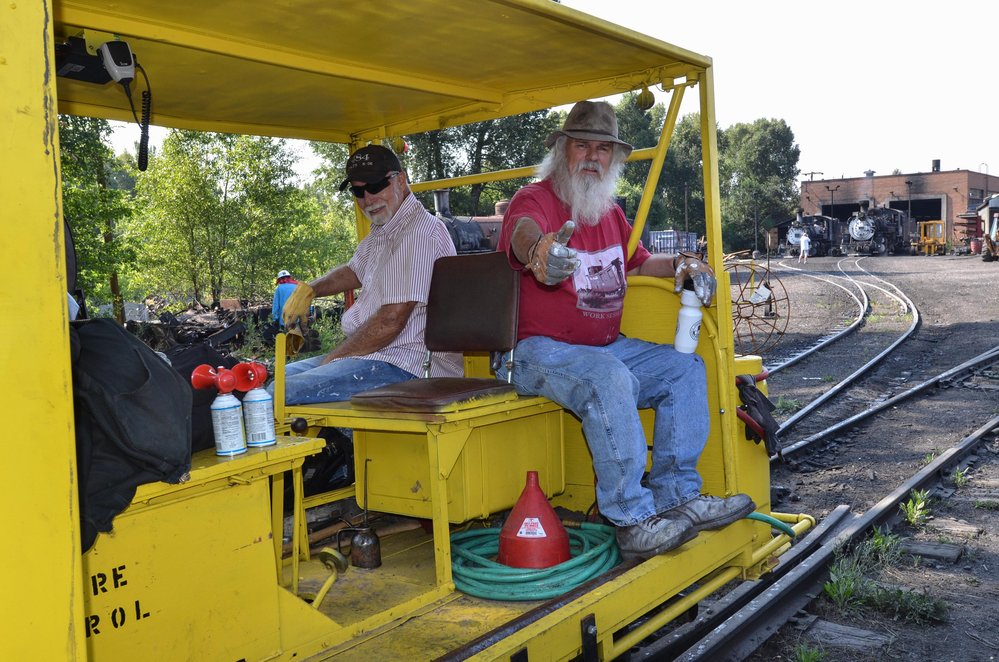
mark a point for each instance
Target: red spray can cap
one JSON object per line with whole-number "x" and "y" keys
{"x": 533, "y": 536}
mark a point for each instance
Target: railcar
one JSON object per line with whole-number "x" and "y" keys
{"x": 824, "y": 232}
{"x": 205, "y": 569}
{"x": 877, "y": 231}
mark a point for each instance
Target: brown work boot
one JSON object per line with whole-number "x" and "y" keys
{"x": 711, "y": 512}
{"x": 653, "y": 536}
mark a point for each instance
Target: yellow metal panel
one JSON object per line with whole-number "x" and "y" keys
{"x": 489, "y": 466}
{"x": 191, "y": 580}
{"x": 363, "y": 71}
{"x": 42, "y": 613}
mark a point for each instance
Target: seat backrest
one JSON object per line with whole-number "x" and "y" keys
{"x": 473, "y": 304}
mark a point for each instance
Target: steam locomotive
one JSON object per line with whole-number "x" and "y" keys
{"x": 470, "y": 234}
{"x": 823, "y": 231}
{"x": 877, "y": 231}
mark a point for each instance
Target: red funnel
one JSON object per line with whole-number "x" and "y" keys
{"x": 533, "y": 536}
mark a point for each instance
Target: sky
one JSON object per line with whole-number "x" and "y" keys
{"x": 874, "y": 85}
{"x": 877, "y": 85}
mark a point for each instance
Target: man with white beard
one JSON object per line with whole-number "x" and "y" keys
{"x": 392, "y": 267}
{"x": 570, "y": 348}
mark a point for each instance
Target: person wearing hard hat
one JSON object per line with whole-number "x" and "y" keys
{"x": 570, "y": 348}
{"x": 392, "y": 266}
{"x": 285, "y": 286}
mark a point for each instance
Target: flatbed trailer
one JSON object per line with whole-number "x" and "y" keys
{"x": 198, "y": 570}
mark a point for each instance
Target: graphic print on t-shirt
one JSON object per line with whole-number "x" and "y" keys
{"x": 600, "y": 280}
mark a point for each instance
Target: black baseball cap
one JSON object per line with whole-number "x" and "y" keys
{"x": 370, "y": 164}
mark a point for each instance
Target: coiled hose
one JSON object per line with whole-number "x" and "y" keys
{"x": 593, "y": 548}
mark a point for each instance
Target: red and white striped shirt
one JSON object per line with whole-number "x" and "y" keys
{"x": 394, "y": 264}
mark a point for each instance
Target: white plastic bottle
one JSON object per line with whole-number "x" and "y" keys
{"x": 688, "y": 323}
{"x": 227, "y": 424}
{"x": 258, "y": 417}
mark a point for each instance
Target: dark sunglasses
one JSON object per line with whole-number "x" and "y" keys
{"x": 373, "y": 187}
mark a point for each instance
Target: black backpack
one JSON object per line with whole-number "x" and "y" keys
{"x": 185, "y": 358}
{"x": 133, "y": 421}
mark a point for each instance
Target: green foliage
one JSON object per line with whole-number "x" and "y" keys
{"x": 916, "y": 510}
{"x": 510, "y": 142}
{"x": 846, "y": 582}
{"x": 883, "y": 547}
{"x": 220, "y": 214}
{"x": 929, "y": 457}
{"x": 758, "y": 168}
{"x": 986, "y": 504}
{"x": 805, "y": 652}
{"x": 95, "y": 206}
{"x": 850, "y": 586}
{"x": 906, "y": 606}
{"x": 785, "y": 406}
{"x": 960, "y": 477}
{"x": 679, "y": 200}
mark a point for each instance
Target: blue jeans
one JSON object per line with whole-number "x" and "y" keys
{"x": 308, "y": 382}
{"x": 604, "y": 387}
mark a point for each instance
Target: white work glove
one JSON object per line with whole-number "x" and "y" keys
{"x": 551, "y": 260}
{"x": 690, "y": 266}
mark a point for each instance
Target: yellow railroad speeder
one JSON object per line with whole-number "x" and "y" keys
{"x": 196, "y": 570}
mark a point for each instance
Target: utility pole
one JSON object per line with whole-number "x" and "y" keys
{"x": 832, "y": 200}
{"x": 908, "y": 185}
{"x": 686, "y": 220}
{"x": 811, "y": 175}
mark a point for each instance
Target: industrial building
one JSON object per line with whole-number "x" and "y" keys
{"x": 952, "y": 196}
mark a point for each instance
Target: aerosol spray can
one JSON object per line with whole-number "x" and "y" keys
{"x": 688, "y": 322}
{"x": 227, "y": 423}
{"x": 227, "y": 412}
{"x": 258, "y": 405}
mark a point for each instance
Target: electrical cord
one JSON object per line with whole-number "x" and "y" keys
{"x": 593, "y": 548}
{"x": 147, "y": 103}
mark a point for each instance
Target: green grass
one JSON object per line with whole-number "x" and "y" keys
{"x": 785, "y": 406}
{"x": 851, "y": 588}
{"x": 907, "y": 606}
{"x": 929, "y": 457}
{"x": 805, "y": 652}
{"x": 829, "y": 379}
{"x": 916, "y": 510}
{"x": 987, "y": 504}
{"x": 960, "y": 477}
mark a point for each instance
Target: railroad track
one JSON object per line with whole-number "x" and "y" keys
{"x": 856, "y": 411}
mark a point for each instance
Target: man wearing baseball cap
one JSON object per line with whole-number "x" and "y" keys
{"x": 569, "y": 239}
{"x": 391, "y": 267}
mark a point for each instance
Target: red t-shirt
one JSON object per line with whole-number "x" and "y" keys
{"x": 584, "y": 309}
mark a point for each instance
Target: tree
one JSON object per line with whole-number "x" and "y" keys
{"x": 759, "y": 172}
{"x": 94, "y": 207}
{"x": 220, "y": 214}
{"x": 510, "y": 142}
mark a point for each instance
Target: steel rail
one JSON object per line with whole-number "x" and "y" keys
{"x": 827, "y": 340}
{"x": 856, "y": 375}
{"x": 985, "y": 357}
{"x": 681, "y": 639}
{"x": 741, "y": 634}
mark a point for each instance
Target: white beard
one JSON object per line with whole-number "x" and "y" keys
{"x": 588, "y": 197}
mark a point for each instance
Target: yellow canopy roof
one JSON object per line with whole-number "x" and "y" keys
{"x": 343, "y": 72}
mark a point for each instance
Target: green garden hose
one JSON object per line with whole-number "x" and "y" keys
{"x": 775, "y": 523}
{"x": 593, "y": 548}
